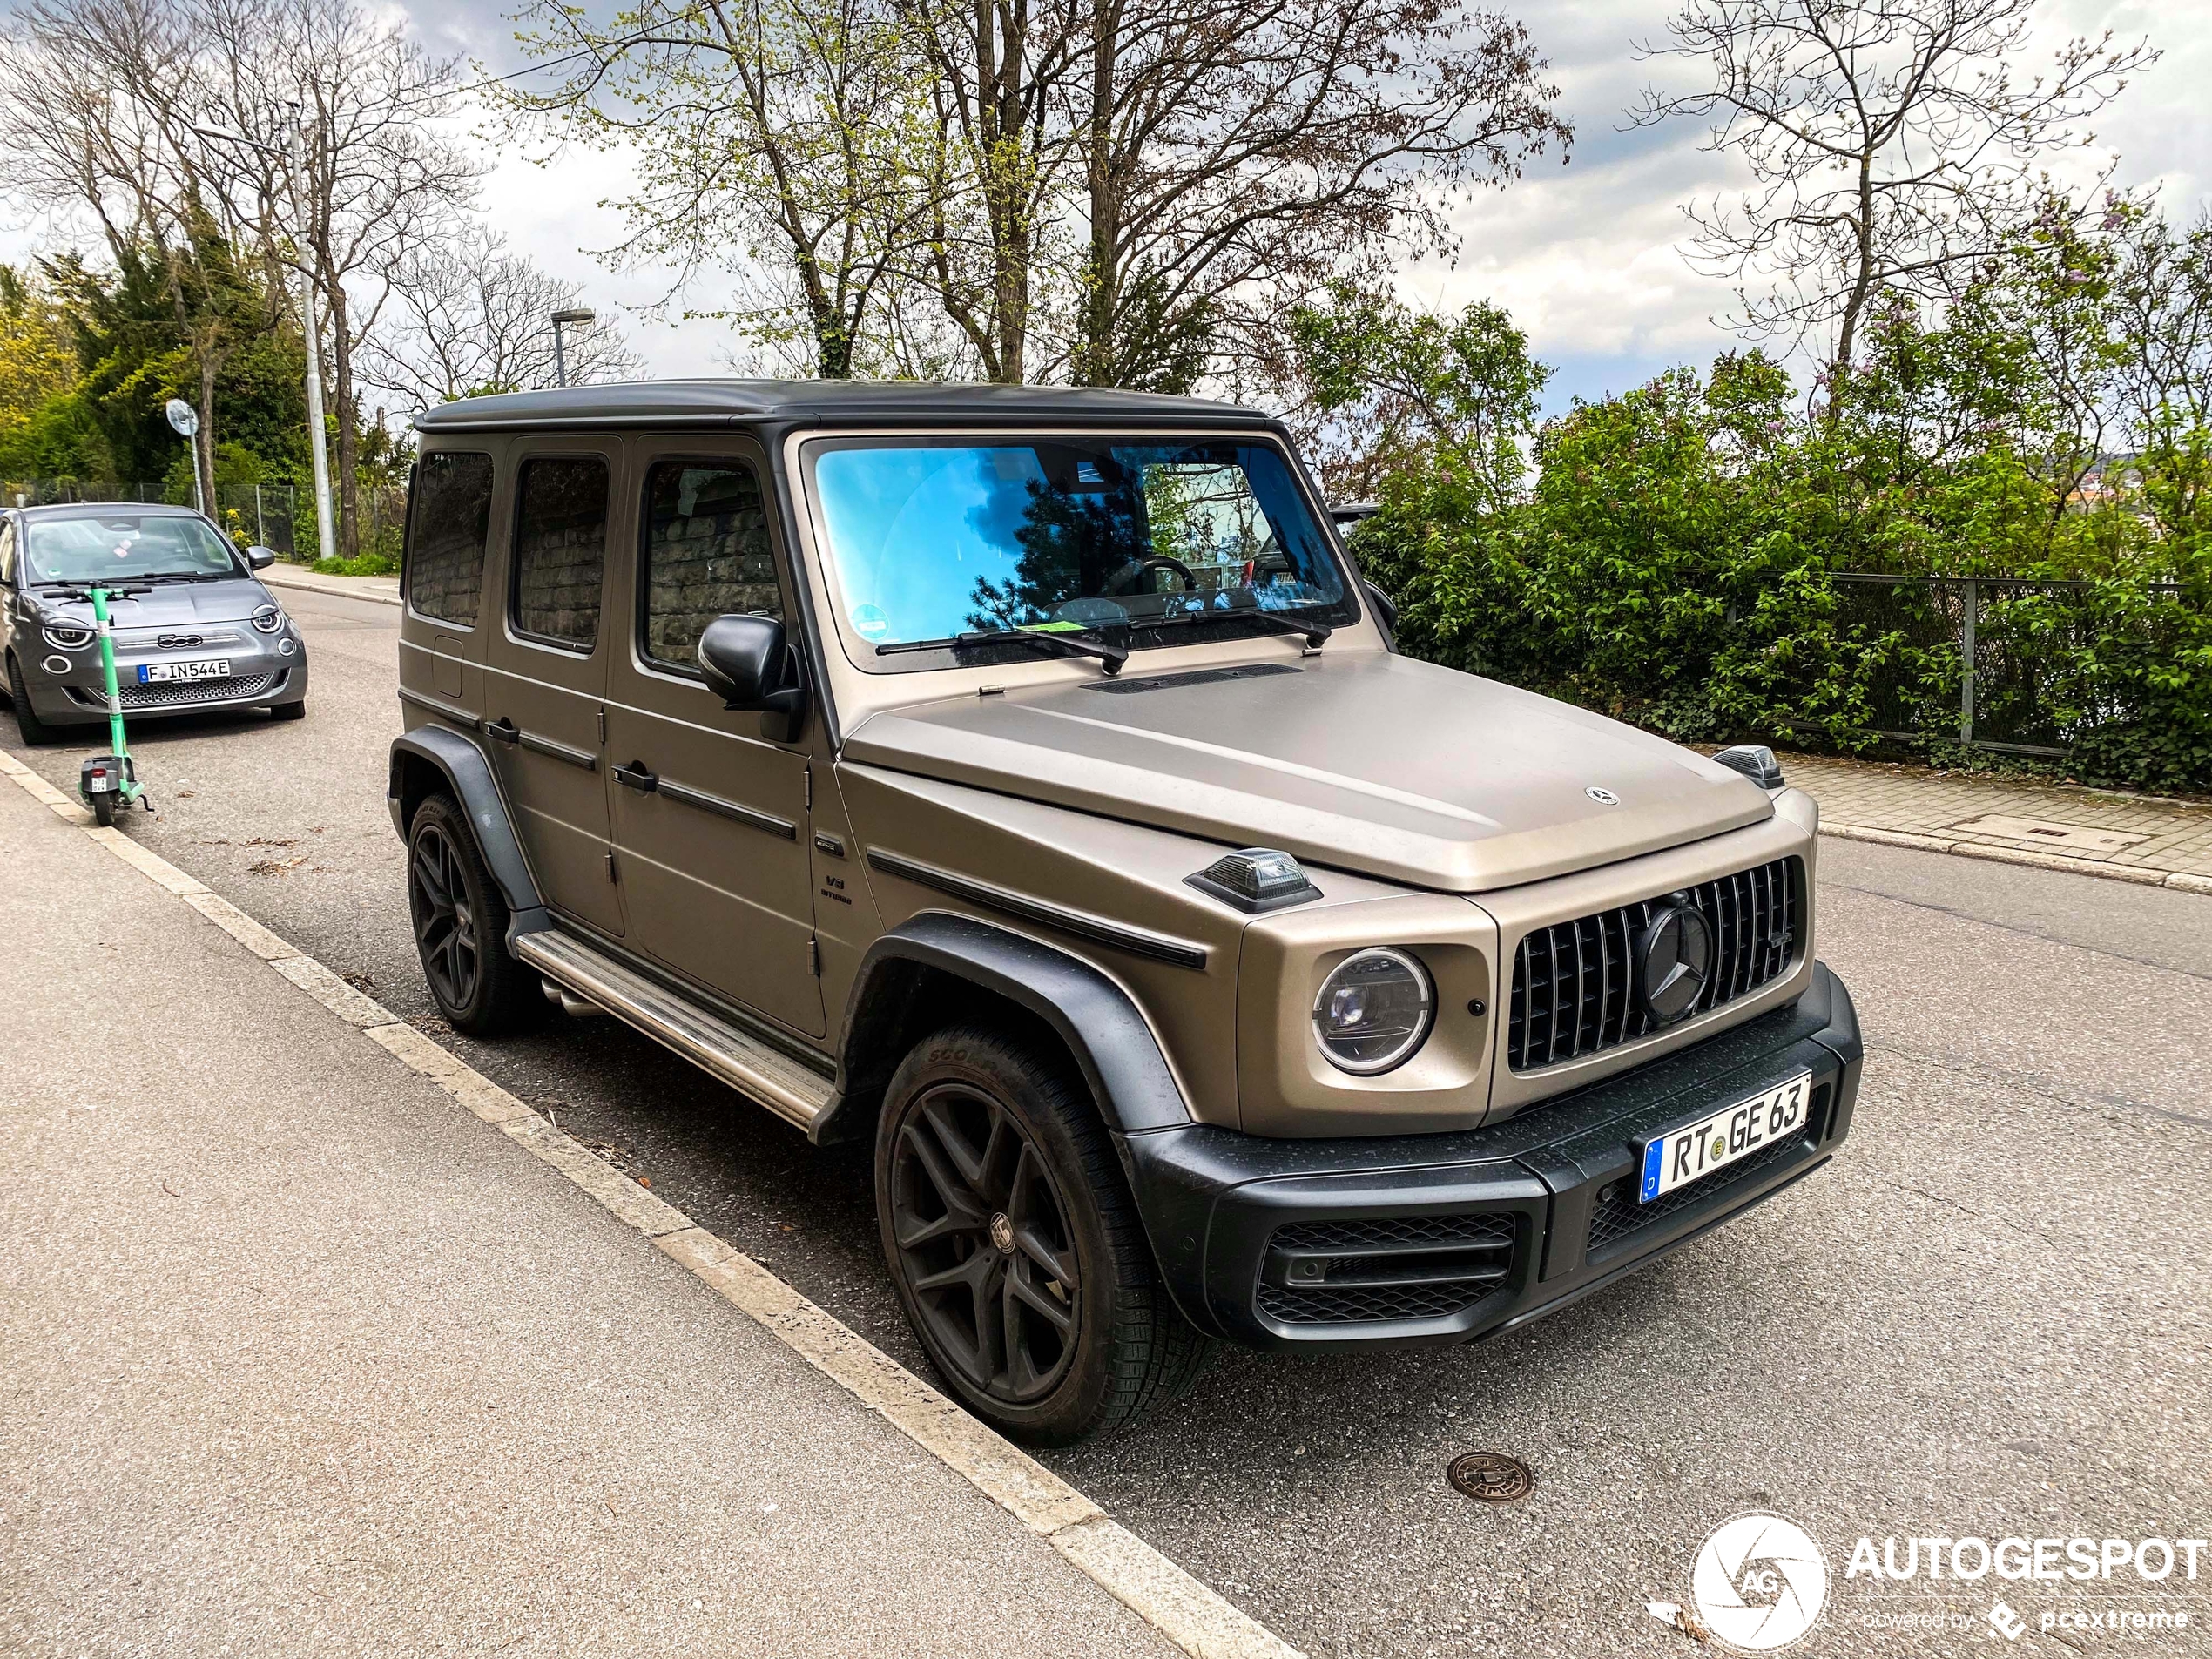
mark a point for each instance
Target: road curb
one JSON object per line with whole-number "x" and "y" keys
{"x": 278, "y": 576}
{"x": 1197, "y": 1619}
{"x": 2174, "y": 881}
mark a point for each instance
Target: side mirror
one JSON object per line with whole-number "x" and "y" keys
{"x": 747, "y": 664}
{"x": 1386, "y": 607}
{"x": 260, "y": 558}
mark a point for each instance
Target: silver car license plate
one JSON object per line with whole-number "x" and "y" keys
{"x": 206, "y": 668}
{"x": 1694, "y": 1152}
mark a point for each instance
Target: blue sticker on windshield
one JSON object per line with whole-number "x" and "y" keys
{"x": 869, "y": 622}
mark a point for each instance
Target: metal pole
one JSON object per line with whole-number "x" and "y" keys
{"x": 560, "y": 359}
{"x": 1968, "y": 617}
{"x": 326, "y": 532}
{"x": 260, "y": 520}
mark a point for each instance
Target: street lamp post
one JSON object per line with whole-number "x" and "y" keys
{"x": 578, "y": 316}
{"x": 294, "y": 158}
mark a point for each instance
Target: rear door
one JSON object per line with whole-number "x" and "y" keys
{"x": 545, "y": 679}
{"x": 710, "y": 815}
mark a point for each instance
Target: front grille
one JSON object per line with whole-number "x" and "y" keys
{"x": 228, "y": 689}
{"x": 185, "y": 638}
{"x": 1573, "y": 990}
{"x": 1617, "y": 1215}
{"x": 1392, "y": 1269}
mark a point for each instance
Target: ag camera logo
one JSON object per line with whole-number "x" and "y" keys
{"x": 1759, "y": 1582}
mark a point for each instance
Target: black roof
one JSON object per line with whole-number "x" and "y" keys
{"x": 110, "y": 509}
{"x": 734, "y": 402}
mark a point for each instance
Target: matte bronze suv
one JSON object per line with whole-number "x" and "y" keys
{"x": 1025, "y": 781}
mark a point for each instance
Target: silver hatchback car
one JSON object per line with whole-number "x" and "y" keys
{"x": 204, "y": 634}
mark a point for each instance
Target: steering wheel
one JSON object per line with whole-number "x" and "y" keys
{"x": 1127, "y": 577}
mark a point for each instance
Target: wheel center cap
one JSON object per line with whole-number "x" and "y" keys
{"x": 1002, "y": 1233}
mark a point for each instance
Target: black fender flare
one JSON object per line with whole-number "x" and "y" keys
{"x": 468, "y": 775}
{"x": 1111, "y": 1042}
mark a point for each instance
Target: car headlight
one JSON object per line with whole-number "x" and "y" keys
{"x": 1374, "y": 1010}
{"x": 268, "y": 619}
{"x": 63, "y": 636}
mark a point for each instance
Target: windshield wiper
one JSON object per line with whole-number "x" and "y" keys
{"x": 1315, "y": 634}
{"x": 1112, "y": 656}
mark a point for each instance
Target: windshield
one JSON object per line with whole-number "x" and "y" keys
{"x": 125, "y": 547}
{"x": 1148, "y": 542}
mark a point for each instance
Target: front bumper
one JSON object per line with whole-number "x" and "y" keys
{"x": 1418, "y": 1241}
{"x": 261, "y": 676}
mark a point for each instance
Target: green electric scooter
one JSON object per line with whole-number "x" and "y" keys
{"x": 109, "y": 783}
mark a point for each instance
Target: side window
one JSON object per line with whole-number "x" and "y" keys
{"x": 560, "y": 549}
{"x": 449, "y": 517}
{"x": 8, "y": 553}
{"x": 707, "y": 555}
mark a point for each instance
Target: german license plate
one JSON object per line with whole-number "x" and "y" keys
{"x": 1694, "y": 1152}
{"x": 206, "y": 668}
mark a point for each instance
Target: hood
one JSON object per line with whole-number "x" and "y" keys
{"x": 231, "y": 599}
{"x": 1367, "y": 762}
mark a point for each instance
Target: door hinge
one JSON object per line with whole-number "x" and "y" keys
{"x": 603, "y": 728}
{"x": 808, "y": 775}
{"x": 814, "y": 957}
{"x": 612, "y": 876}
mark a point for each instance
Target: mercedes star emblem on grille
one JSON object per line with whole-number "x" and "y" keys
{"x": 1673, "y": 961}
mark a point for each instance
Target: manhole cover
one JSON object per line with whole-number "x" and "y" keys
{"x": 1491, "y": 1477}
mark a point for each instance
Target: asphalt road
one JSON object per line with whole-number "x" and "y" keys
{"x": 1988, "y": 1317}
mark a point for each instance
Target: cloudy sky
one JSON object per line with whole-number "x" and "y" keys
{"x": 1584, "y": 255}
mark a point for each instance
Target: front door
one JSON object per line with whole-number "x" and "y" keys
{"x": 545, "y": 677}
{"x": 710, "y": 815}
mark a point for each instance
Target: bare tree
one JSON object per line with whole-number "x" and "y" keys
{"x": 99, "y": 94}
{"x": 775, "y": 130}
{"x": 1889, "y": 143}
{"x": 338, "y": 104}
{"x": 466, "y": 317}
{"x": 1238, "y": 157}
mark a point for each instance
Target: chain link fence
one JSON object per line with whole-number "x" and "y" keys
{"x": 262, "y": 515}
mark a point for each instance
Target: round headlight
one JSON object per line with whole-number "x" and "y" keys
{"x": 268, "y": 619}
{"x": 63, "y": 637}
{"x": 1374, "y": 1010}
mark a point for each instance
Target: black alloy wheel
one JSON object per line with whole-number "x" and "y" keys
{"x": 984, "y": 1243}
{"x": 461, "y": 926}
{"x": 445, "y": 926}
{"x": 34, "y": 732}
{"x": 1014, "y": 1244}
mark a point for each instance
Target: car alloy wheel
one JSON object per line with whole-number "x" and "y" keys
{"x": 984, "y": 1243}
{"x": 445, "y": 926}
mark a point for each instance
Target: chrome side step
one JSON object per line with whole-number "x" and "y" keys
{"x": 781, "y": 1083}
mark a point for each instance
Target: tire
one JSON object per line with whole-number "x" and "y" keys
{"x": 1015, "y": 1245}
{"x": 290, "y": 711}
{"x": 34, "y": 732}
{"x": 460, "y": 920}
{"x": 103, "y": 811}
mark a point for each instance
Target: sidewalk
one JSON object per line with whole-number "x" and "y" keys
{"x": 383, "y": 589}
{"x": 303, "y": 1357}
{"x": 2147, "y": 841}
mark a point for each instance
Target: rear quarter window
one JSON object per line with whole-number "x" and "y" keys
{"x": 449, "y": 521}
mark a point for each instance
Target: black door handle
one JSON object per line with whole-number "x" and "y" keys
{"x": 504, "y": 729}
{"x": 636, "y": 776}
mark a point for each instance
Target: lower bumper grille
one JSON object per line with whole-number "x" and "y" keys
{"x": 228, "y": 689}
{"x": 1396, "y": 1269}
{"x": 1574, "y": 991}
{"x": 1619, "y": 1217}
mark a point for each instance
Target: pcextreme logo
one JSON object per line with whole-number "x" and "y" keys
{"x": 1758, "y": 1585}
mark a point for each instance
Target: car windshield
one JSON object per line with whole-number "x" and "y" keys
{"x": 1150, "y": 540}
{"x": 125, "y": 547}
